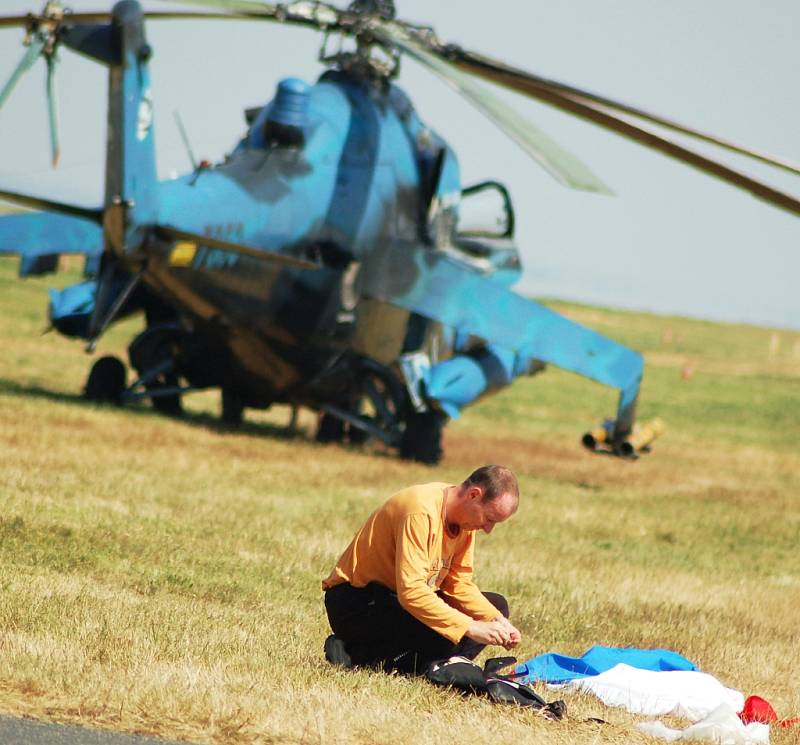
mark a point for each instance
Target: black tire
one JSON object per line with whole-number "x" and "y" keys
{"x": 379, "y": 400}
{"x": 422, "y": 437}
{"x": 232, "y": 408}
{"x": 376, "y": 398}
{"x": 170, "y": 405}
{"x": 106, "y": 381}
{"x": 330, "y": 429}
{"x": 356, "y": 436}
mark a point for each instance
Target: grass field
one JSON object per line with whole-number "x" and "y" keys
{"x": 162, "y": 576}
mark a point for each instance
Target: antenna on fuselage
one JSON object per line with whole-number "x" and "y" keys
{"x": 185, "y": 138}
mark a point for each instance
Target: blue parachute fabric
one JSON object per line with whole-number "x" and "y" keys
{"x": 557, "y": 668}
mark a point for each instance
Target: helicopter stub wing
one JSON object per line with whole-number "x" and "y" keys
{"x": 439, "y": 287}
{"x": 40, "y": 237}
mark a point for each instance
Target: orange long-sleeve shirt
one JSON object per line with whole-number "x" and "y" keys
{"x": 404, "y": 545}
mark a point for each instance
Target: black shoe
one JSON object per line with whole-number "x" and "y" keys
{"x": 336, "y": 653}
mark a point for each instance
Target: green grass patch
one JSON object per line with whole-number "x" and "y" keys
{"x": 162, "y": 575}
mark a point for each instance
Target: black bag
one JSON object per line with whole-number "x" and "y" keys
{"x": 459, "y": 673}
{"x": 464, "y": 675}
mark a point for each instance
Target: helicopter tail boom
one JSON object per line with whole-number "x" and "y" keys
{"x": 131, "y": 179}
{"x": 131, "y": 192}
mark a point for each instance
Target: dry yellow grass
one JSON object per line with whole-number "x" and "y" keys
{"x": 162, "y": 576}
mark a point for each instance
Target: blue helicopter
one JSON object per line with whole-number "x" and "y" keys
{"x": 326, "y": 262}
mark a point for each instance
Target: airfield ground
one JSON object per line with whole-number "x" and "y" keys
{"x": 162, "y": 576}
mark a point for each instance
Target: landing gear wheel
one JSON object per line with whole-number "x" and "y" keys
{"x": 356, "y": 436}
{"x": 170, "y": 405}
{"x": 422, "y": 437}
{"x": 380, "y": 401}
{"x": 152, "y": 349}
{"x": 372, "y": 406}
{"x": 330, "y": 429}
{"x": 232, "y": 408}
{"x": 106, "y": 381}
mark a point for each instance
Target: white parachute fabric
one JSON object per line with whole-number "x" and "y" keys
{"x": 684, "y": 693}
{"x": 721, "y": 727}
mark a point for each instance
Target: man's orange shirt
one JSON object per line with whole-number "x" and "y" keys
{"x": 404, "y": 546}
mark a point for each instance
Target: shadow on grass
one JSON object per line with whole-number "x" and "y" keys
{"x": 194, "y": 419}
{"x": 198, "y": 419}
{"x": 13, "y": 388}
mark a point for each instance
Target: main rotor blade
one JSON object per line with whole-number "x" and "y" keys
{"x": 52, "y": 109}
{"x": 560, "y": 164}
{"x": 520, "y": 81}
{"x": 29, "y": 200}
{"x": 100, "y": 16}
{"x": 31, "y": 53}
{"x": 237, "y": 6}
{"x": 473, "y": 60}
{"x": 311, "y": 13}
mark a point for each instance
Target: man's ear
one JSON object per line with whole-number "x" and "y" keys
{"x": 475, "y": 492}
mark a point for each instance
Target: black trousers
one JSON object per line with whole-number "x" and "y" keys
{"x": 378, "y": 631}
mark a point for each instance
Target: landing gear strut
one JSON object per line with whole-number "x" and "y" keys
{"x": 151, "y": 354}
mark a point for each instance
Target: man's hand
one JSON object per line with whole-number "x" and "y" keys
{"x": 488, "y": 632}
{"x": 498, "y": 631}
{"x": 514, "y": 636}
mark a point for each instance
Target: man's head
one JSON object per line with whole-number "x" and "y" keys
{"x": 488, "y": 496}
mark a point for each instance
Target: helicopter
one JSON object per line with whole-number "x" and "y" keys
{"x": 324, "y": 262}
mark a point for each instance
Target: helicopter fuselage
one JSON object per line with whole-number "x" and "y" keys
{"x": 359, "y": 181}
{"x": 323, "y": 263}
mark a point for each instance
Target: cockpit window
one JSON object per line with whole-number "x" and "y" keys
{"x": 485, "y": 211}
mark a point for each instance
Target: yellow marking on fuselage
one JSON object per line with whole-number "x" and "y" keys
{"x": 183, "y": 253}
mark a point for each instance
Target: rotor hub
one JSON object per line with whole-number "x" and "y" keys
{"x": 382, "y": 8}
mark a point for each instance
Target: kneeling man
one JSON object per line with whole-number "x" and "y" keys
{"x": 402, "y": 593}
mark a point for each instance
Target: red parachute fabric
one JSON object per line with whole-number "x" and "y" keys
{"x": 757, "y": 709}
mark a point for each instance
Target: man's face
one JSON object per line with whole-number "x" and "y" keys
{"x": 480, "y": 515}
